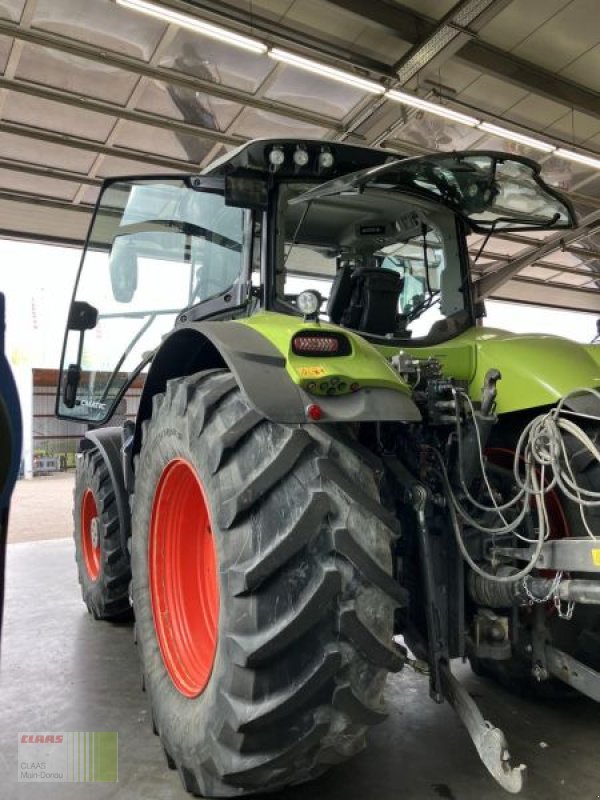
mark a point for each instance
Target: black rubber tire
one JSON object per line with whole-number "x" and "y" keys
{"x": 107, "y": 597}
{"x": 307, "y": 598}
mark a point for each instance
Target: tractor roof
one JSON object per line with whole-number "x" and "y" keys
{"x": 254, "y": 155}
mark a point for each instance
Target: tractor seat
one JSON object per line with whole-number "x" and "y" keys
{"x": 365, "y": 299}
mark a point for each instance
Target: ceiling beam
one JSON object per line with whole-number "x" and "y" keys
{"x": 16, "y": 49}
{"x": 415, "y": 28}
{"x": 166, "y": 75}
{"x": 78, "y": 143}
{"x": 120, "y": 112}
{"x": 453, "y": 31}
{"x": 529, "y": 291}
{"x": 44, "y": 202}
{"x": 491, "y": 282}
{"x": 134, "y": 97}
{"x": 524, "y": 74}
{"x": 48, "y": 172}
{"x": 488, "y": 269}
{"x": 584, "y": 252}
{"x": 459, "y": 25}
{"x": 277, "y": 32}
{"x": 53, "y": 220}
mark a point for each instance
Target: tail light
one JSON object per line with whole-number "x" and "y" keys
{"x": 320, "y": 343}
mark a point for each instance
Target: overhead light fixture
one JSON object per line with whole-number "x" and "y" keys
{"x": 536, "y": 144}
{"x": 326, "y": 71}
{"x": 432, "y": 108}
{"x": 571, "y": 155}
{"x": 196, "y": 25}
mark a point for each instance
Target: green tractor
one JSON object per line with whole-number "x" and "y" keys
{"x": 335, "y": 469}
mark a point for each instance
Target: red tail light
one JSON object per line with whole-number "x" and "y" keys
{"x": 320, "y": 344}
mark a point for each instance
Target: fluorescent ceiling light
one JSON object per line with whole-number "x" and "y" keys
{"x": 196, "y": 25}
{"x": 326, "y": 71}
{"x": 579, "y": 157}
{"x": 536, "y": 144}
{"x": 433, "y": 108}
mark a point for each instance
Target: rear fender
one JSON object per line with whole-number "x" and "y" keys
{"x": 260, "y": 371}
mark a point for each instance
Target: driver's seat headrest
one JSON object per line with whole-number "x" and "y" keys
{"x": 366, "y": 299}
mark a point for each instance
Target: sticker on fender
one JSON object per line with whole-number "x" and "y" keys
{"x": 596, "y": 557}
{"x": 311, "y": 372}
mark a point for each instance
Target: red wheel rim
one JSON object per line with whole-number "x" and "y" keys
{"x": 90, "y": 538}
{"x": 184, "y": 588}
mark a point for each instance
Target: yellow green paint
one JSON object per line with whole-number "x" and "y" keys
{"x": 92, "y": 757}
{"x": 537, "y": 369}
{"x": 364, "y": 365}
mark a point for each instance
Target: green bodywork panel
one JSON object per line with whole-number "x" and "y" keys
{"x": 365, "y": 366}
{"x": 537, "y": 369}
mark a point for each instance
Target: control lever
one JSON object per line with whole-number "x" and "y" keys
{"x": 489, "y": 392}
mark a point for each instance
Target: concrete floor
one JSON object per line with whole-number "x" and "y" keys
{"x": 60, "y": 671}
{"x": 42, "y": 508}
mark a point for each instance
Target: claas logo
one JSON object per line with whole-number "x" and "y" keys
{"x": 29, "y": 738}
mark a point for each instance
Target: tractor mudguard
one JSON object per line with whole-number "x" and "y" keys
{"x": 260, "y": 371}
{"x": 109, "y": 443}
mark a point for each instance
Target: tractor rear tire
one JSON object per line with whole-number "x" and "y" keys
{"x": 262, "y": 588}
{"x": 102, "y": 563}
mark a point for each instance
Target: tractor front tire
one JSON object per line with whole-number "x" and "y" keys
{"x": 102, "y": 563}
{"x": 262, "y": 588}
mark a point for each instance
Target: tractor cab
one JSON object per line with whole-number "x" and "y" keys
{"x": 378, "y": 241}
{"x": 274, "y": 561}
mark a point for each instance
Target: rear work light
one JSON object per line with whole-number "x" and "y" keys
{"x": 320, "y": 344}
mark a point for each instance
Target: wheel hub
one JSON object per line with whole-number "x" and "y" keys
{"x": 183, "y": 579}
{"x": 95, "y": 533}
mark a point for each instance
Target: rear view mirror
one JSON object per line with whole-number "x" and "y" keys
{"x": 246, "y": 191}
{"x": 82, "y": 316}
{"x": 123, "y": 270}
